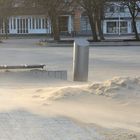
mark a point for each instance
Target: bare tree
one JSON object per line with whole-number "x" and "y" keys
{"x": 5, "y": 12}
{"x": 99, "y": 15}
{"x": 134, "y": 8}
{"x": 95, "y": 12}
{"x": 89, "y": 8}
{"x": 53, "y": 9}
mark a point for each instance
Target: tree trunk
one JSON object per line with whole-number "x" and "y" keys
{"x": 6, "y": 27}
{"x": 1, "y": 23}
{"x": 100, "y": 16}
{"x": 93, "y": 28}
{"x": 135, "y": 29}
{"x": 55, "y": 28}
{"x": 99, "y": 25}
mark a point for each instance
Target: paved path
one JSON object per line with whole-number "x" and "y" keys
{"x": 22, "y": 125}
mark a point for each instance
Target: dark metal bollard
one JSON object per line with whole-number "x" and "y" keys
{"x": 80, "y": 60}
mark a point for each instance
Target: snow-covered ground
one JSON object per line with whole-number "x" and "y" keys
{"x": 105, "y": 108}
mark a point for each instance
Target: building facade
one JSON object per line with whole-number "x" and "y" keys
{"x": 34, "y": 24}
{"x": 117, "y": 21}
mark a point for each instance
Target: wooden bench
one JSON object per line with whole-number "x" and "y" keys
{"x": 6, "y": 67}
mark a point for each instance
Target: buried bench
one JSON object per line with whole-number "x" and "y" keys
{"x": 31, "y": 71}
{"x": 6, "y": 67}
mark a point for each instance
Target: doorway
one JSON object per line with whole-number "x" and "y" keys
{"x": 63, "y": 24}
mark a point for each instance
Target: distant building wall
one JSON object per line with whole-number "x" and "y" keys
{"x": 117, "y": 21}
{"x": 34, "y": 24}
{"x": 77, "y": 21}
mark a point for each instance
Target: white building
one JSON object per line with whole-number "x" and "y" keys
{"x": 118, "y": 20}
{"x": 30, "y": 20}
{"x": 30, "y": 24}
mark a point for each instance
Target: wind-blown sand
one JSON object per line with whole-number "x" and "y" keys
{"x": 39, "y": 108}
{"x": 101, "y": 111}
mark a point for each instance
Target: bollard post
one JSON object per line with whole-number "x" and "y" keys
{"x": 80, "y": 60}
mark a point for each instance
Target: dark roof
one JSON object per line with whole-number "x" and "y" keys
{"x": 26, "y": 11}
{"x": 22, "y": 11}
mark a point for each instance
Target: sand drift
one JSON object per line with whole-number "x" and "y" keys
{"x": 100, "y": 111}
{"x": 115, "y": 88}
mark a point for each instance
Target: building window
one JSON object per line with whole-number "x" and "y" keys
{"x": 123, "y": 27}
{"x": 22, "y": 25}
{"x": 44, "y": 23}
{"x": 37, "y": 26}
{"x": 112, "y": 27}
{"x": 18, "y": 26}
{"x": 26, "y": 28}
{"x": 85, "y": 25}
{"x": 11, "y": 22}
{"x": 33, "y": 23}
{"x": 39, "y": 22}
{"x": 30, "y": 21}
{"x": 122, "y": 9}
{"x": 117, "y": 27}
{"x": 14, "y": 23}
{"x": 112, "y": 9}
